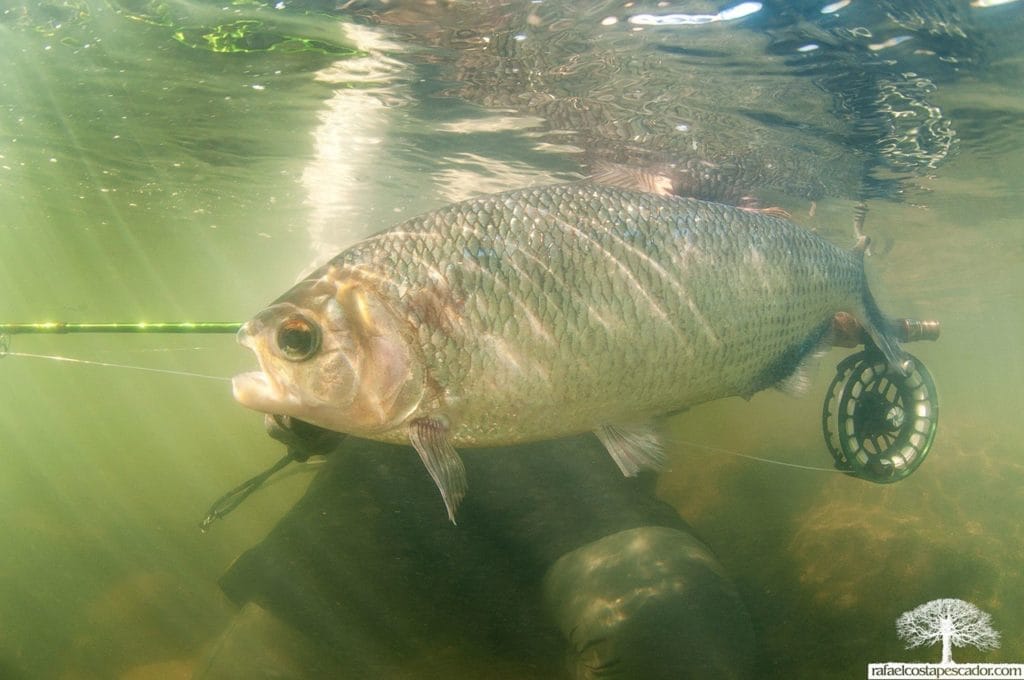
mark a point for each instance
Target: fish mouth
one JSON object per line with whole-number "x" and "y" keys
{"x": 257, "y": 391}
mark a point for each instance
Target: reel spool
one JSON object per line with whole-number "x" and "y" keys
{"x": 878, "y": 424}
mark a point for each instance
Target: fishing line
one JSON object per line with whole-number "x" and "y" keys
{"x": 715, "y": 449}
{"x": 154, "y": 350}
{"x": 107, "y": 364}
{"x": 705, "y": 447}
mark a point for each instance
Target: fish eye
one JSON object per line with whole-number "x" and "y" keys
{"x": 298, "y": 338}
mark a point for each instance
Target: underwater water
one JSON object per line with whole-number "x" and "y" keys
{"x": 187, "y": 160}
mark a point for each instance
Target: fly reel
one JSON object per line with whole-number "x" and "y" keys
{"x": 879, "y": 424}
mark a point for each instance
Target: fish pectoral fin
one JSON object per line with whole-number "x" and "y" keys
{"x": 633, "y": 447}
{"x": 429, "y": 436}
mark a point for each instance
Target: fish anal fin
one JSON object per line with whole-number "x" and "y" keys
{"x": 429, "y": 436}
{"x": 633, "y": 447}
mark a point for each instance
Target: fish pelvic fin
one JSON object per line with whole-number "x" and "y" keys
{"x": 429, "y": 436}
{"x": 633, "y": 447}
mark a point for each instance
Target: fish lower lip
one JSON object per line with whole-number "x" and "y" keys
{"x": 254, "y": 390}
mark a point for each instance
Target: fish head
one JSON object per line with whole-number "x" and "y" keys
{"x": 334, "y": 354}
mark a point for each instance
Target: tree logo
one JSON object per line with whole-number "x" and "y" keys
{"x": 952, "y": 622}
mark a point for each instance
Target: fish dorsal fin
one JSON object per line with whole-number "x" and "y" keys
{"x": 634, "y": 179}
{"x": 633, "y": 447}
{"x": 429, "y": 436}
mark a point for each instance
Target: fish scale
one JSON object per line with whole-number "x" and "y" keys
{"x": 551, "y": 311}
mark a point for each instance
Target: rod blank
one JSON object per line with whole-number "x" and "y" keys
{"x": 59, "y": 327}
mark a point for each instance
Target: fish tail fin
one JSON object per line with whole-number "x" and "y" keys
{"x": 878, "y": 327}
{"x": 880, "y": 330}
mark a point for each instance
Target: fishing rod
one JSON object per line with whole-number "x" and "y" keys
{"x": 61, "y": 327}
{"x": 7, "y": 330}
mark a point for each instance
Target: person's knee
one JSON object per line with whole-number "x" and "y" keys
{"x": 649, "y": 603}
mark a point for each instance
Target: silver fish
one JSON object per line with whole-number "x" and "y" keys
{"x": 546, "y": 312}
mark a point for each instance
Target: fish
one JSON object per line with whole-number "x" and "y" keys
{"x": 552, "y": 311}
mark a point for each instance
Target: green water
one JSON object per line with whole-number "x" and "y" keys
{"x": 167, "y": 161}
